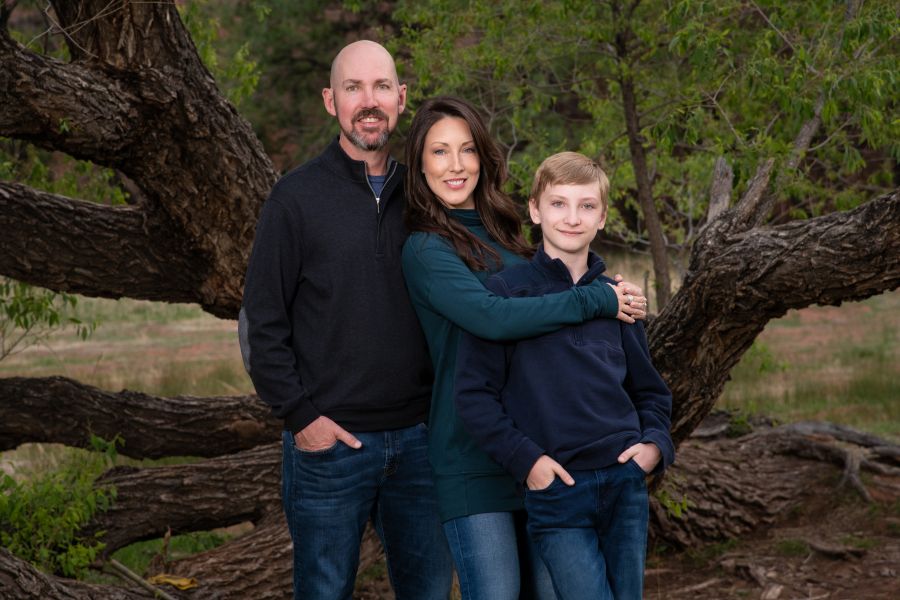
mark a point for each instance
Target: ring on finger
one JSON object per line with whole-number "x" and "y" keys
{"x": 629, "y": 298}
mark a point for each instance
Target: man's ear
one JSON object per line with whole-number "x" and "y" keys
{"x": 603, "y": 220}
{"x": 328, "y": 99}
{"x": 402, "y": 104}
{"x": 533, "y": 211}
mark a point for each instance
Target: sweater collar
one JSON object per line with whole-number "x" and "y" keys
{"x": 468, "y": 217}
{"x": 343, "y": 165}
{"x": 556, "y": 269}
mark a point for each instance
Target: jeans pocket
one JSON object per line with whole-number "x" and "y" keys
{"x": 556, "y": 481}
{"x": 637, "y": 467}
{"x": 329, "y": 450}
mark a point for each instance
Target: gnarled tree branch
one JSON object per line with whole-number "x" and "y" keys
{"x": 77, "y": 246}
{"x": 738, "y": 281}
{"x": 161, "y": 121}
{"x": 218, "y": 492}
{"x": 56, "y": 409}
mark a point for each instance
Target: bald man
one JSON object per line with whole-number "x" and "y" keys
{"x": 335, "y": 348}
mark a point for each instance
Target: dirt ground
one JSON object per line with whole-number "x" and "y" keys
{"x": 835, "y": 547}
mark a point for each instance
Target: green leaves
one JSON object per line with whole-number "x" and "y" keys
{"x": 239, "y": 76}
{"x": 711, "y": 78}
{"x": 28, "y": 314}
{"x": 40, "y": 517}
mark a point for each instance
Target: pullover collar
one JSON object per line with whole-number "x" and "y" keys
{"x": 556, "y": 269}
{"x": 354, "y": 170}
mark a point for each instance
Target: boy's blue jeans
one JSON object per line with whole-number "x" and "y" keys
{"x": 593, "y": 535}
{"x": 329, "y": 495}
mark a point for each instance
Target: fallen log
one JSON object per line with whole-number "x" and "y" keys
{"x": 20, "y": 580}
{"x": 212, "y": 493}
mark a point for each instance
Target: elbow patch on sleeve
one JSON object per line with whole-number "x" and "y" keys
{"x": 244, "y": 338}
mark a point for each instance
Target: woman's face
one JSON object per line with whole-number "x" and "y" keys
{"x": 450, "y": 162}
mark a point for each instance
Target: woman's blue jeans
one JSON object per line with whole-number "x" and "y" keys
{"x": 329, "y": 495}
{"x": 593, "y": 535}
{"x": 495, "y": 560}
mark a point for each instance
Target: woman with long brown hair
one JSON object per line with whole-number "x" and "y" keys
{"x": 464, "y": 228}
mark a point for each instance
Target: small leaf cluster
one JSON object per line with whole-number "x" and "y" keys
{"x": 29, "y": 314}
{"x": 40, "y": 518}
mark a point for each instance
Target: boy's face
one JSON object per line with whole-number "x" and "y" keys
{"x": 570, "y": 217}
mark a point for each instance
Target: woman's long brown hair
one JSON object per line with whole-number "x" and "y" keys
{"x": 425, "y": 212}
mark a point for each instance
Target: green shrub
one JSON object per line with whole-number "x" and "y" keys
{"x": 40, "y": 518}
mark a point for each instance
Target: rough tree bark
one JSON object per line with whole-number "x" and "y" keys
{"x": 218, "y": 492}
{"x": 31, "y": 411}
{"x": 739, "y": 279}
{"x": 136, "y": 98}
{"x": 18, "y": 579}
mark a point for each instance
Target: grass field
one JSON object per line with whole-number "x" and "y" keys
{"x": 157, "y": 348}
{"x": 836, "y": 364}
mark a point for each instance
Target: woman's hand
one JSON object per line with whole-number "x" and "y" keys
{"x": 632, "y": 302}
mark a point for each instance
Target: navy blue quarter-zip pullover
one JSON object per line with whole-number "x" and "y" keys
{"x": 581, "y": 394}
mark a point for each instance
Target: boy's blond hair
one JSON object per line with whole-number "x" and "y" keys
{"x": 569, "y": 168}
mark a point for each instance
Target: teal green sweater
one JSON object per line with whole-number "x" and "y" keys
{"x": 448, "y": 298}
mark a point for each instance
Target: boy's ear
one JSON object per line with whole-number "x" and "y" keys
{"x": 533, "y": 211}
{"x": 603, "y": 220}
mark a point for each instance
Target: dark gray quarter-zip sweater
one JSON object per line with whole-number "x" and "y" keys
{"x": 330, "y": 327}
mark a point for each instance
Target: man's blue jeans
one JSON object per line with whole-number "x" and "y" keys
{"x": 593, "y": 535}
{"x": 495, "y": 559}
{"x": 329, "y": 495}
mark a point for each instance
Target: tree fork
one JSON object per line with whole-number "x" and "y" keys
{"x": 739, "y": 280}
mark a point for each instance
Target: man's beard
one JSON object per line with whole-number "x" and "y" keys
{"x": 359, "y": 140}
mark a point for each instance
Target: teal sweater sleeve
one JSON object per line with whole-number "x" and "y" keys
{"x": 438, "y": 278}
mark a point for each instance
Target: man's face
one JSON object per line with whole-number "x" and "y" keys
{"x": 365, "y": 96}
